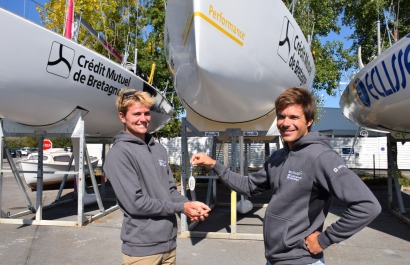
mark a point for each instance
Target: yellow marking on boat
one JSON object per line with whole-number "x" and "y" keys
{"x": 170, "y": 68}
{"x": 207, "y": 19}
{"x": 187, "y": 29}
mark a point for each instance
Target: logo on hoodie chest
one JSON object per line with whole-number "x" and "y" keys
{"x": 162, "y": 163}
{"x": 294, "y": 175}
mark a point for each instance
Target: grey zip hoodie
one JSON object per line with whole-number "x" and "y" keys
{"x": 146, "y": 193}
{"x": 303, "y": 182}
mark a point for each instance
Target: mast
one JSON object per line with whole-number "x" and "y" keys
{"x": 69, "y": 19}
{"x": 98, "y": 37}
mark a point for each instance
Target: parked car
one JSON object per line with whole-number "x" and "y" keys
{"x": 25, "y": 151}
{"x": 33, "y": 150}
{"x": 12, "y": 151}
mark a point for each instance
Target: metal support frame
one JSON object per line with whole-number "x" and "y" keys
{"x": 71, "y": 127}
{"x": 392, "y": 181}
{"x": 188, "y": 130}
{"x": 17, "y": 177}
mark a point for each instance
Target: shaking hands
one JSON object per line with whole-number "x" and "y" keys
{"x": 196, "y": 211}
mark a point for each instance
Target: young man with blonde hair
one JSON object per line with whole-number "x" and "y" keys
{"x": 137, "y": 167}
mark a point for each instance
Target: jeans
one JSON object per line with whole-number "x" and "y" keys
{"x": 319, "y": 262}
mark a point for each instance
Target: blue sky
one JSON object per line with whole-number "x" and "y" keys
{"x": 27, "y": 8}
{"x": 330, "y": 101}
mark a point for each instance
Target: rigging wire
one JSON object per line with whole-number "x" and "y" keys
{"x": 396, "y": 28}
{"x": 136, "y": 36}
{"x": 105, "y": 31}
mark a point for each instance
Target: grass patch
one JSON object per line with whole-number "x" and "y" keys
{"x": 404, "y": 181}
{"x": 382, "y": 181}
{"x": 370, "y": 181}
{"x": 176, "y": 171}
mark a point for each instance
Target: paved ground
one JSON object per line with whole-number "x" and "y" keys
{"x": 384, "y": 241}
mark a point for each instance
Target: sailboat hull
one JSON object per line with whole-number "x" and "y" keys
{"x": 379, "y": 95}
{"x": 44, "y": 77}
{"x": 231, "y": 59}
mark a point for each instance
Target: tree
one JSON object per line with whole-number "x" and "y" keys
{"x": 19, "y": 142}
{"x": 363, "y": 16}
{"x": 60, "y": 142}
{"x": 151, "y": 17}
{"x": 317, "y": 18}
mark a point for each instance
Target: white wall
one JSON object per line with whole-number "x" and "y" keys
{"x": 371, "y": 152}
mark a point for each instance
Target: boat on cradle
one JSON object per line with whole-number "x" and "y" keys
{"x": 54, "y": 160}
{"x": 231, "y": 59}
{"x": 379, "y": 94}
{"x": 45, "y": 77}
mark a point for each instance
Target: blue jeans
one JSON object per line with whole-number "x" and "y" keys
{"x": 319, "y": 262}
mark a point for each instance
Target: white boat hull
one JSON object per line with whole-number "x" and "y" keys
{"x": 231, "y": 59}
{"x": 378, "y": 97}
{"x": 44, "y": 77}
{"x": 49, "y": 179}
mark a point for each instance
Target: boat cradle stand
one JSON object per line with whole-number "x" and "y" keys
{"x": 234, "y": 136}
{"x": 392, "y": 177}
{"x": 72, "y": 126}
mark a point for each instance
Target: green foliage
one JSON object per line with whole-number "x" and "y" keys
{"x": 176, "y": 171}
{"x": 373, "y": 182}
{"x": 318, "y": 18}
{"x": 197, "y": 171}
{"x": 20, "y": 142}
{"x": 382, "y": 181}
{"x": 363, "y": 17}
{"x": 171, "y": 130}
{"x": 59, "y": 142}
{"x": 404, "y": 181}
{"x": 151, "y": 17}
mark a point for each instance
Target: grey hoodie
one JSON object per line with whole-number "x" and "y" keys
{"x": 303, "y": 182}
{"x": 146, "y": 193}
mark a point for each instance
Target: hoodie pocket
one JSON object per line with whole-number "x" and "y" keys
{"x": 275, "y": 232}
{"x": 149, "y": 231}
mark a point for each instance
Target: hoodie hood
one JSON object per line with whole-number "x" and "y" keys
{"x": 311, "y": 138}
{"x": 124, "y": 136}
